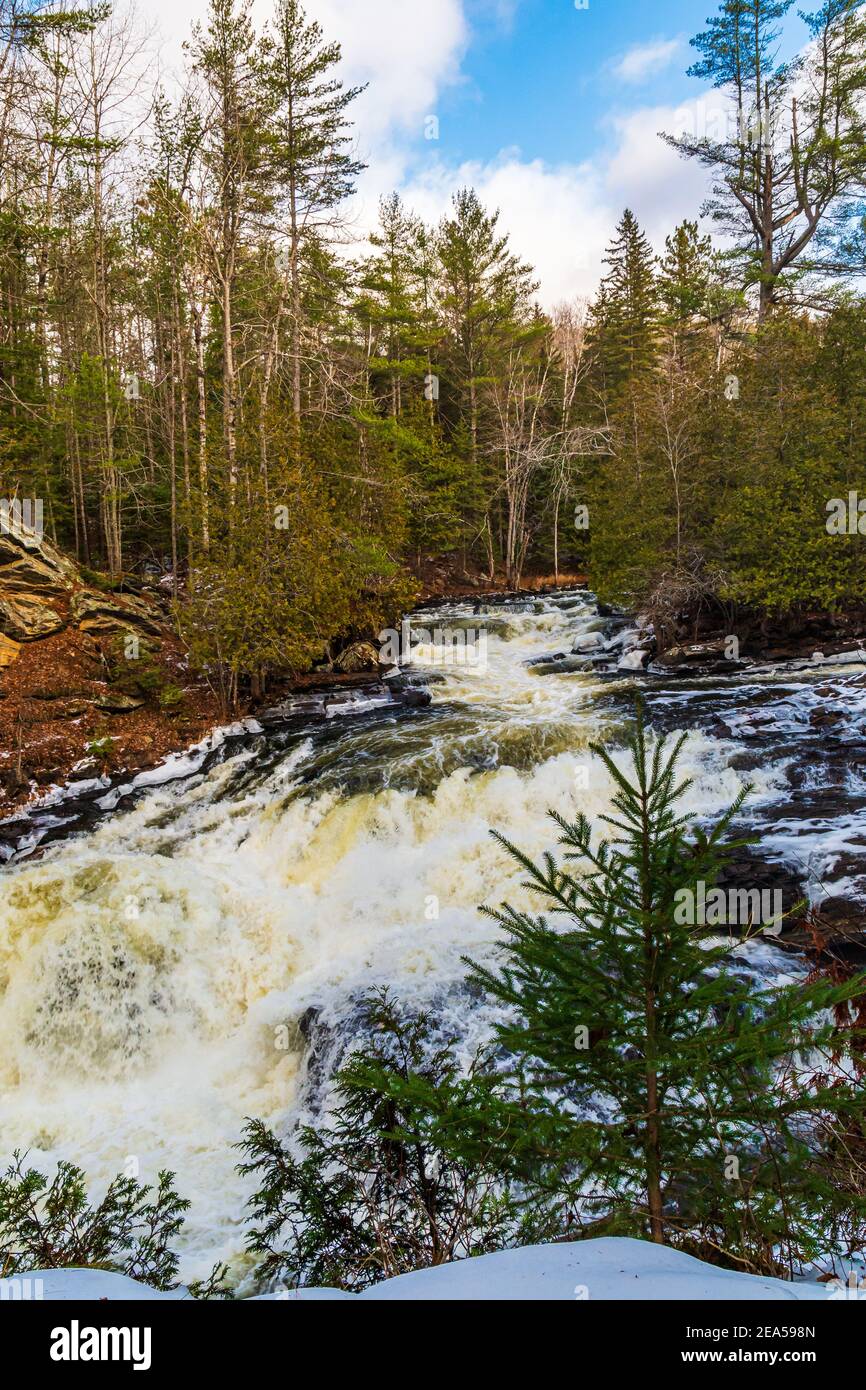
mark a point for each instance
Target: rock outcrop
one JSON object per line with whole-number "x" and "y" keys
{"x": 106, "y": 614}
{"x": 35, "y": 584}
{"x": 359, "y": 657}
{"x": 42, "y": 592}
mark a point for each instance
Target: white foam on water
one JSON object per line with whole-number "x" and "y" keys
{"x": 146, "y": 968}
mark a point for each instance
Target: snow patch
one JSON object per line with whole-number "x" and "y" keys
{"x": 611, "y": 1267}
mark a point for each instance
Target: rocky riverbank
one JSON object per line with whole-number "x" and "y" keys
{"x": 270, "y": 877}
{"x": 96, "y": 688}
{"x": 95, "y": 685}
{"x": 91, "y": 680}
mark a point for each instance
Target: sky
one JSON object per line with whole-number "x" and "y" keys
{"x": 549, "y": 108}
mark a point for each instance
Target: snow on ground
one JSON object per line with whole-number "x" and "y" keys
{"x": 80, "y": 1285}
{"x": 607, "y": 1268}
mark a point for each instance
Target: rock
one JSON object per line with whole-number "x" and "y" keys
{"x": 27, "y": 617}
{"x": 47, "y": 777}
{"x": 565, "y": 666}
{"x": 85, "y": 769}
{"x": 588, "y": 642}
{"x": 35, "y": 581}
{"x": 8, "y": 651}
{"x": 820, "y": 718}
{"x": 47, "y": 565}
{"x": 695, "y": 652}
{"x": 745, "y": 762}
{"x": 635, "y": 660}
{"x": 108, "y": 614}
{"x": 308, "y": 1021}
{"x": 114, "y": 702}
{"x": 749, "y": 872}
{"x": 360, "y": 656}
{"x": 408, "y": 677}
{"x": 534, "y": 661}
{"x": 31, "y": 575}
{"x": 416, "y": 698}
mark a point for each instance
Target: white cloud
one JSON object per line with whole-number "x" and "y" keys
{"x": 646, "y": 59}
{"x": 407, "y": 53}
{"x": 643, "y": 171}
{"x": 560, "y": 216}
{"x": 555, "y": 216}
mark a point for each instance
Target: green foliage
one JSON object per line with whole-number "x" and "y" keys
{"x": 101, "y": 748}
{"x": 142, "y": 675}
{"x": 785, "y": 515}
{"x": 373, "y": 1191}
{"x": 655, "y": 1089}
{"x": 641, "y": 1083}
{"x": 53, "y": 1225}
{"x": 720, "y": 482}
{"x": 96, "y": 579}
{"x": 427, "y": 405}
{"x": 626, "y": 315}
{"x": 777, "y": 182}
{"x": 171, "y": 699}
{"x": 267, "y": 602}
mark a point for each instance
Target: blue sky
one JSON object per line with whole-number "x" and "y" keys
{"x": 545, "y": 76}
{"x": 545, "y": 80}
{"x": 551, "y": 111}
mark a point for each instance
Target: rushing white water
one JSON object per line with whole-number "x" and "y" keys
{"x": 146, "y": 969}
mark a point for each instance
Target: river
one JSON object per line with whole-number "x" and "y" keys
{"x": 196, "y": 956}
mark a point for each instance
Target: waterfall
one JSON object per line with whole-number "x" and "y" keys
{"x": 161, "y": 975}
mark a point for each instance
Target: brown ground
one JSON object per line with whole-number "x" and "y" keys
{"x": 440, "y": 581}
{"x": 42, "y": 739}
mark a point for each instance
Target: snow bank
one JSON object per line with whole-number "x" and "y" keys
{"x": 80, "y": 1285}
{"x": 608, "y": 1268}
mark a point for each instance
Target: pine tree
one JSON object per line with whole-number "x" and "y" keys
{"x": 388, "y": 305}
{"x": 655, "y": 1089}
{"x": 793, "y": 151}
{"x": 310, "y": 149}
{"x": 484, "y": 294}
{"x": 625, "y": 325}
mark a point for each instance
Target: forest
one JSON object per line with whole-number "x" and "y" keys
{"x": 205, "y": 374}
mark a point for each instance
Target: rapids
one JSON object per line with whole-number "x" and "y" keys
{"x": 197, "y": 956}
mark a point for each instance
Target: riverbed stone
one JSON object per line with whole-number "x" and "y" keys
{"x": 360, "y": 656}
{"x": 115, "y": 702}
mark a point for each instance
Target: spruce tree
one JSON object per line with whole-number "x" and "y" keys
{"x": 685, "y": 274}
{"x": 655, "y": 1088}
{"x": 625, "y": 325}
